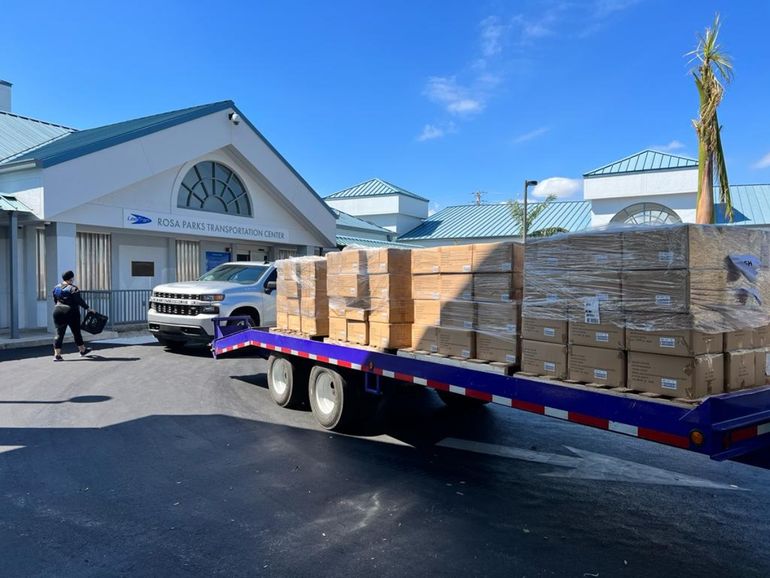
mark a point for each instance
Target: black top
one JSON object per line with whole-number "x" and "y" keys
{"x": 66, "y": 294}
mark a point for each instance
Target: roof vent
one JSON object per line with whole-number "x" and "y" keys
{"x": 5, "y": 96}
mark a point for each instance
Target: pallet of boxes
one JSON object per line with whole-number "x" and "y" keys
{"x": 301, "y": 303}
{"x": 675, "y": 311}
{"x": 466, "y": 303}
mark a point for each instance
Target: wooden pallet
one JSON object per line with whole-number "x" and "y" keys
{"x": 496, "y": 367}
{"x": 292, "y": 333}
{"x": 358, "y": 345}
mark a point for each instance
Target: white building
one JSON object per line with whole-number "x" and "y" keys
{"x": 142, "y": 202}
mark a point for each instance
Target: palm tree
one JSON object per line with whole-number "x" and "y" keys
{"x": 533, "y": 212}
{"x": 714, "y": 64}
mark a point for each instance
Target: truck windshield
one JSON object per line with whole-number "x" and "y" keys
{"x": 235, "y": 273}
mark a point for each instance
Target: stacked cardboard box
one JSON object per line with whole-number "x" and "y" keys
{"x": 426, "y": 292}
{"x": 674, "y": 310}
{"x": 370, "y": 301}
{"x": 302, "y": 304}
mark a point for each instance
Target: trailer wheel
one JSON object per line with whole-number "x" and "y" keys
{"x": 286, "y": 380}
{"x": 455, "y": 400}
{"x": 332, "y": 400}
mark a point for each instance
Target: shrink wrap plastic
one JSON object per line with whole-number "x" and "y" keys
{"x": 302, "y": 293}
{"x": 708, "y": 278}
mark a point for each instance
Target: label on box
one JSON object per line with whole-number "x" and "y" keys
{"x": 602, "y": 337}
{"x": 549, "y": 331}
{"x": 591, "y": 310}
{"x": 466, "y": 268}
{"x": 748, "y": 265}
{"x": 551, "y": 261}
{"x": 668, "y": 342}
{"x": 505, "y": 297}
{"x": 434, "y": 348}
{"x": 600, "y": 374}
{"x": 600, "y": 258}
{"x": 549, "y": 366}
{"x": 551, "y": 298}
{"x": 509, "y": 357}
{"x": 468, "y": 324}
{"x": 467, "y": 295}
{"x": 667, "y": 383}
{"x": 506, "y": 267}
{"x": 511, "y": 328}
{"x": 603, "y": 296}
{"x": 666, "y": 256}
{"x": 466, "y": 353}
{"x": 663, "y": 300}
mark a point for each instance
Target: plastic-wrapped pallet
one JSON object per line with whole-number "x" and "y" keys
{"x": 302, "y": 303}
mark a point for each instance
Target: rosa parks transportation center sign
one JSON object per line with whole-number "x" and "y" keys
{"x": 149, "y": 221}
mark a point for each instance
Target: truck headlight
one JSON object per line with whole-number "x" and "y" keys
{"x": 214, "y": 297}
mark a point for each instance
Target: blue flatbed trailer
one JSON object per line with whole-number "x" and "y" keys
{"x": 730, "y": 426}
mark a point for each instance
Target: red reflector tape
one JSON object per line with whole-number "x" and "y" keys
{"x": 743, "y": 434}
{"x": 664, "y": 438}
{"x": 590, "y": 420}
{"x": 527, "y": 406}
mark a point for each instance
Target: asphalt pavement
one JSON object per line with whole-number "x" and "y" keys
{"x": 138, "y": 461}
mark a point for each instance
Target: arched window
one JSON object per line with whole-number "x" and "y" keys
{"x": 212, "y": 187}
{"x": 647, "y": 214}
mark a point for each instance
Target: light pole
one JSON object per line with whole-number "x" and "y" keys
{"x": 527, "y": 184}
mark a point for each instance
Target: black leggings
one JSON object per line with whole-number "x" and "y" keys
{"x": 65, "y": 316}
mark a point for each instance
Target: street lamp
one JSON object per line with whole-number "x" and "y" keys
{"x": 527, "y": 184}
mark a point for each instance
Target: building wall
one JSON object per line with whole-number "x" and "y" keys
{"x": 603, "y": 210}
{"x": 366, "y": 206}
{"x": 648, "y": 183}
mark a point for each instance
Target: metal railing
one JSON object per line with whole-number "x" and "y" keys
{"x": 122, "y": 306}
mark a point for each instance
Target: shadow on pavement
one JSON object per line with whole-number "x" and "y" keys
{"x": 78, "y": 399}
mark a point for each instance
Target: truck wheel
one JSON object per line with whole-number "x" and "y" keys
{"x": 286, "y": 380}
{"x": 331, "y": 399}
{"x": 455, "y": 400}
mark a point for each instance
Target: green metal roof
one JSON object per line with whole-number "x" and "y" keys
{"x": 373, "y": 188}
{"x": 751, "y": 205}
{"x": 345, "y": 240}
{"x": 351, "y": 222}
{"x": 647, "y": 160}
{"x": 494, "y": 220}
{"x": 11, "y": 203}
{"x": 21, "y": 134}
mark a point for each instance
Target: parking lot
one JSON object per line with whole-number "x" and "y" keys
{"x": 141, "y": 461}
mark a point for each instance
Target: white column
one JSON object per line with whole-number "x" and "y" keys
{"x": 61, "y": 254}
{"x": 28, "y": 288}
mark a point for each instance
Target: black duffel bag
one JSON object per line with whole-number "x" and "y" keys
{"x": 94, "y": 322}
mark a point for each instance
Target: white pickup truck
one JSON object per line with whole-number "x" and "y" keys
{"x": 181, "y": 313}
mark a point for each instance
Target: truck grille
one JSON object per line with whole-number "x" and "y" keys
{"x": 174, "y": 295}
{"x": 175, "y": 309}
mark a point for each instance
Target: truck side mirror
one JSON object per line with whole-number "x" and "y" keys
{"x": 270, "y": 286}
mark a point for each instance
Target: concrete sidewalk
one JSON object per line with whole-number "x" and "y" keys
{"x": 40, "y": 337}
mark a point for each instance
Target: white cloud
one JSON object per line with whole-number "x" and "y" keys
{"x": 762, "y": 163}
{"x": 533, "y": 134}
{"x": 562, "y": 187}
{"x": 433, "y": 208}
{"x": 457, "y": 99}
{"x": 492, "y": 32}
{"x": 434, "y": 131}
{"x": 674, "y": 145}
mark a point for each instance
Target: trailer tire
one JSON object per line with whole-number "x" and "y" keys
{"x": 286, "y": 381}
{"x": 455, "y": 400}
{"x": 332, "y": 400}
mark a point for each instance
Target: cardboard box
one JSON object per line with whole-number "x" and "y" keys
{"x": 458, "y": 314}
{"x": 427, "y": 260}
{"x": 426, "y": 287}
{"x": 282, "y": 320}
{"x": 456, "y": 286}
{"x": 497, "y": 257}
{"x": 687, "y": 343}
{"x": 315, "y": 327}
{"x": 287, "y": 269}
{"x": 456, "y": 258}
{"x": 601, "y": 287}
{"x": 499, "y": 318}
{"x": 595, "y": 251}
{"x": 333, "y": 263}
{"x": 425, "y": 338}
{"x": 389, "y": 260}
{"x": 390, "y": 335}
{"x": 348, "y": 285}
{"x": 292, "y": 306}
{"x": 544, "y": 358}
{"x": 547, "y": 330}
{"x": 353, "y": 261}
{"x": 280, "y": 304}
{"x": 312, "y": 276}
{"x": 547, "y": 253}
{"x": 740, "y": 369}
{"x": 547, "y": 289}
{"x": 358, "y": 332}
{"x": 743, "y": 339}
{"x": 388, "y": 286}
{"x": 287, "y": 287}
{"x": 496, "y": 347}
{"x": 357, "y": 313}
{"x": 337, "y": 306}
{"x": 762, "y": 336}
{"x": 669, "y": 375}
{"x": 427, "y": 312}
{"x": 294, "y": 323}
{"x": 386, "y": 311}
{"x": 498, "y": 287}
{"x": 604, "y": 335}
{"x": 762, "y": 365}
{"x": 317, "y": 307}
{"x": 457, "y": 342}
{"x": 597, "y": 365}
{"x": 338, "y": 328}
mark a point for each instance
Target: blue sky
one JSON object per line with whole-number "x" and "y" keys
{"x": 443, "y": 98}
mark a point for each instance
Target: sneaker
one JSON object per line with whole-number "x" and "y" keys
{"x": 58, "y": 358}
{"x": 85, "y": 352}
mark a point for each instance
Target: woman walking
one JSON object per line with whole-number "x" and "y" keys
{"x": 66, "y": 313}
